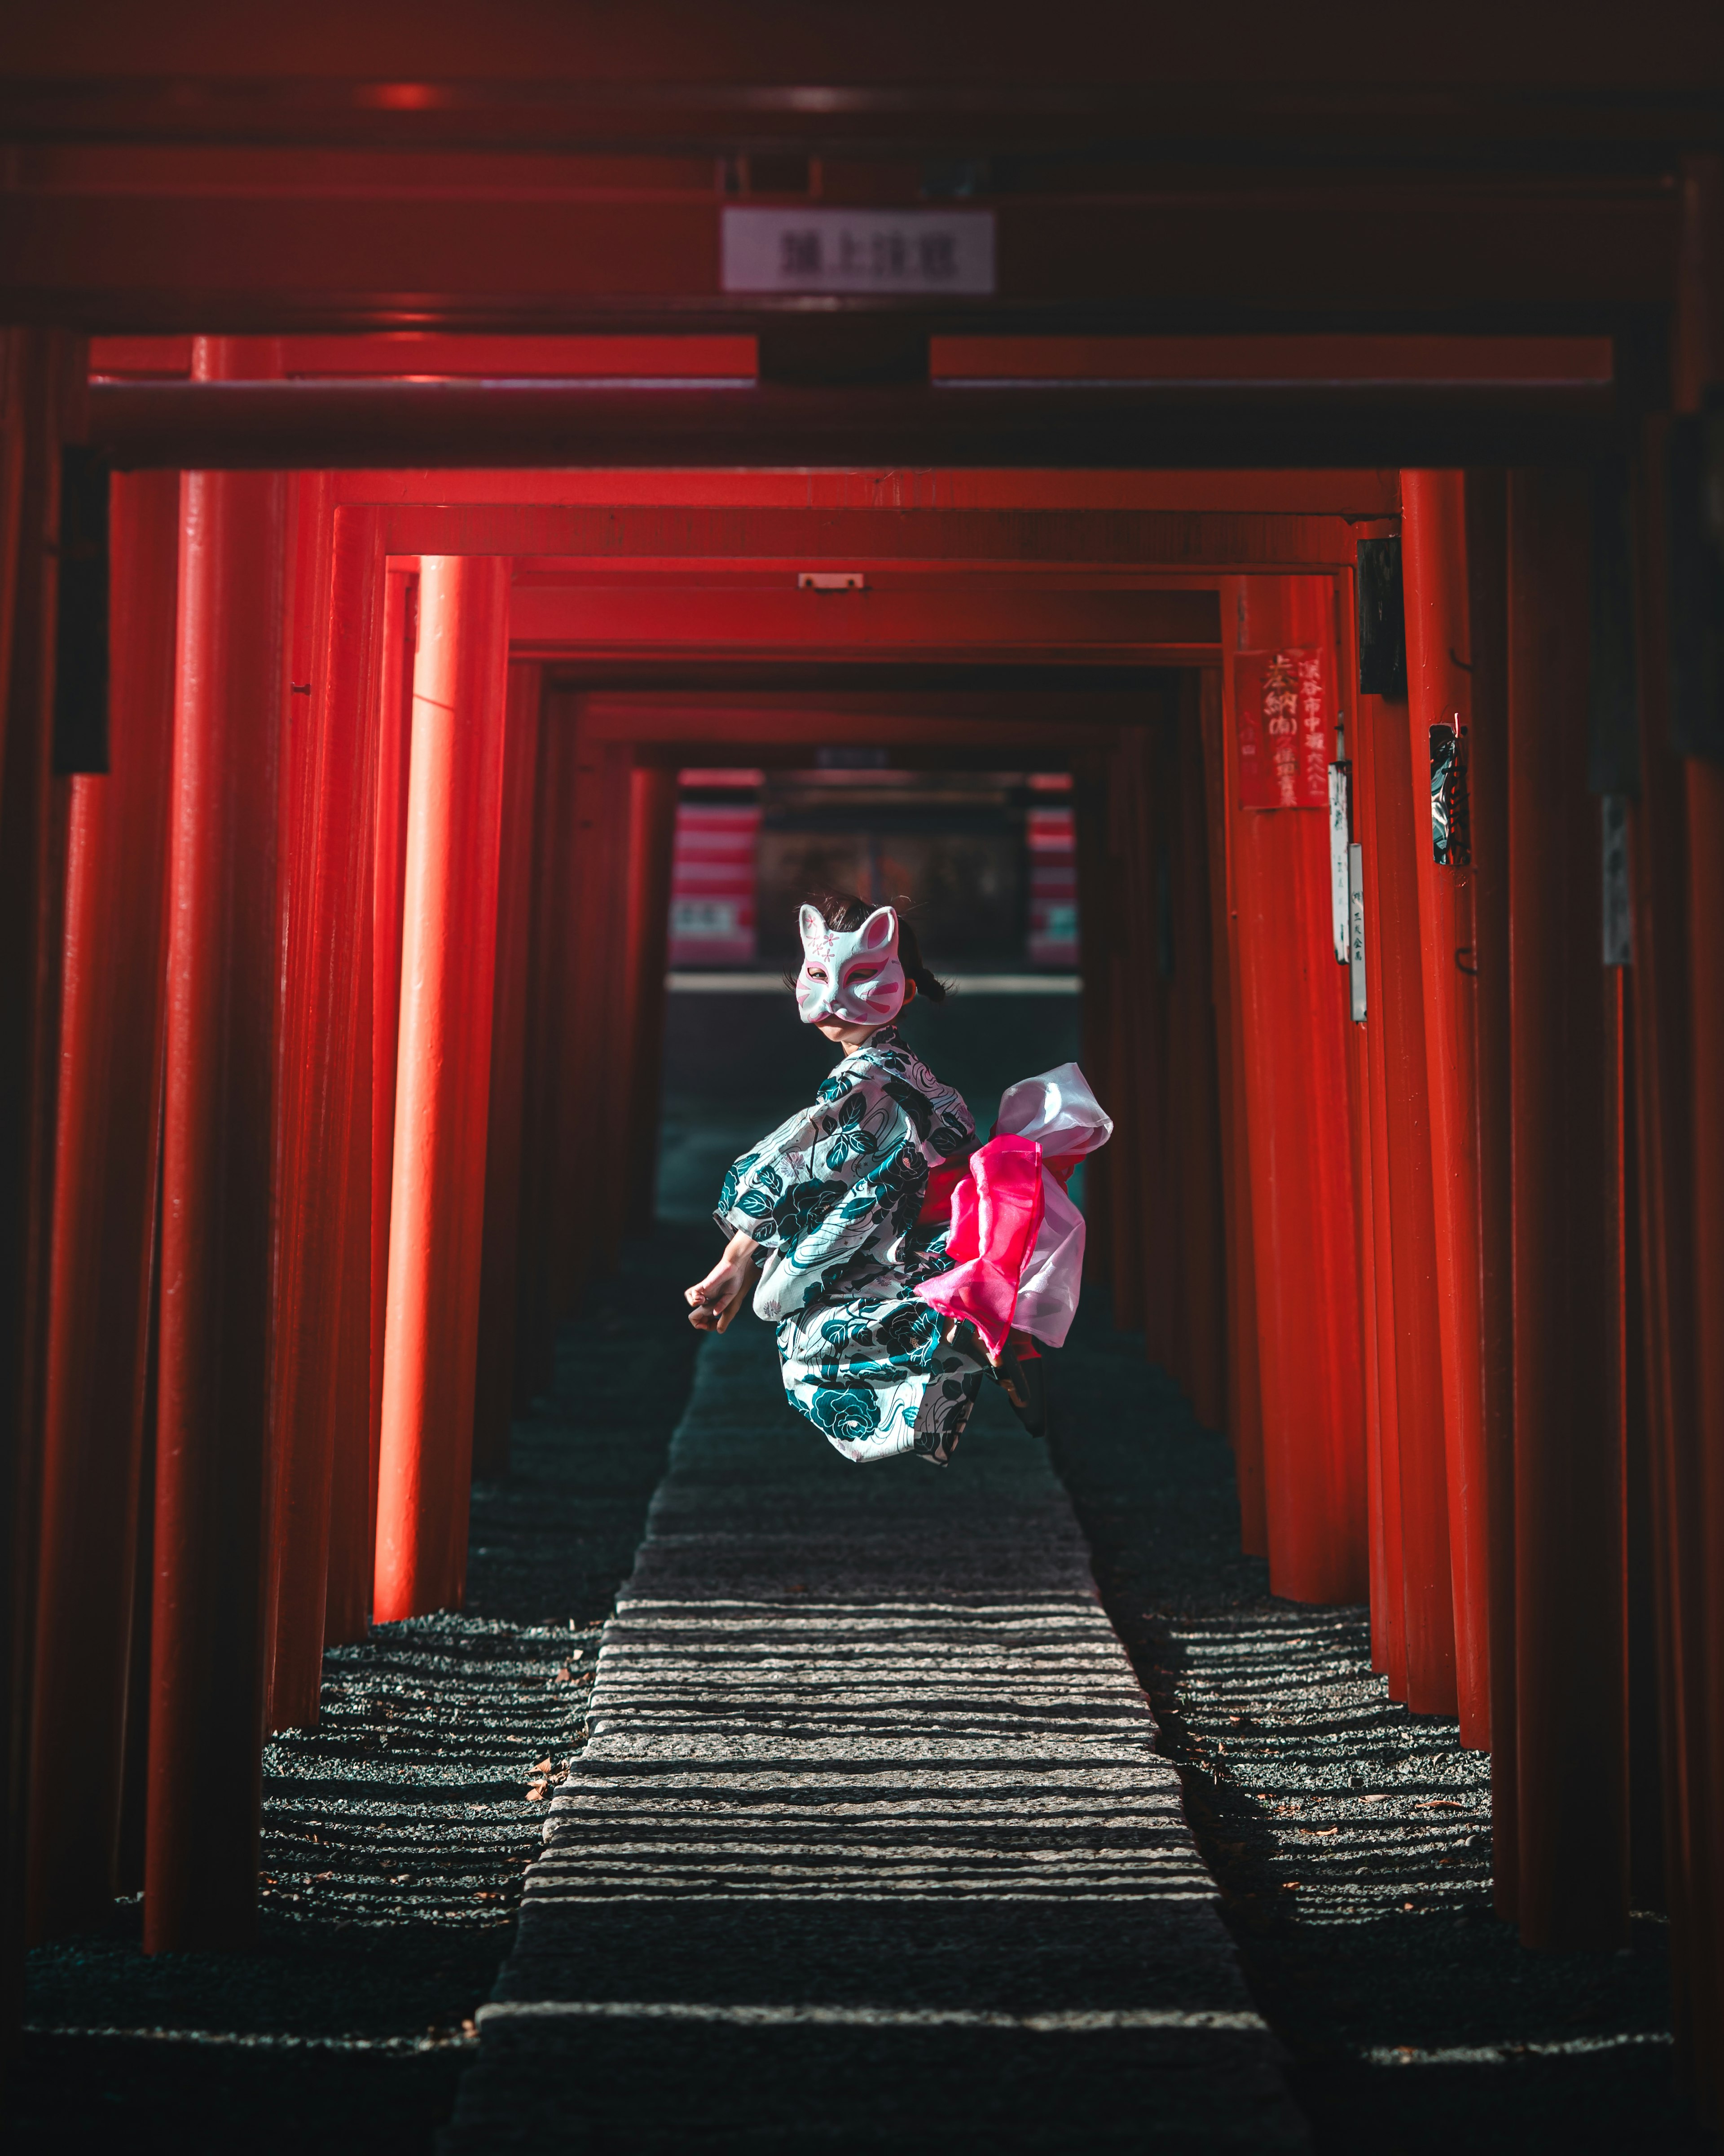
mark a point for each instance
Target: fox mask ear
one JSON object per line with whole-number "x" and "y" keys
{"x": 813, "y": 928}
{"x": 879, "y": 932}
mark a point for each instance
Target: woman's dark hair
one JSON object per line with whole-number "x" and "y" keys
{"x": 843, "y": 911}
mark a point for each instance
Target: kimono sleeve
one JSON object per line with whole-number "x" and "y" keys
{"x": 823, "y": 1188}
{"x": 755, "y": 1185}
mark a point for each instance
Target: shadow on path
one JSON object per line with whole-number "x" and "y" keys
{"x": 1352, "y": 1839}
{"x": 396, "y": 1834}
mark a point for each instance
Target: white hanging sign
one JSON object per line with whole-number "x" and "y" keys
{"x": 1339, "y": 917}
{"x": 1356, "y": 930}
{"x": 912, "y": 252}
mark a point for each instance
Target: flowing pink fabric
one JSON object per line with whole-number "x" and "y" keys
{"x": 1016, "y": 1239}
{"x": 996, "y": 1215}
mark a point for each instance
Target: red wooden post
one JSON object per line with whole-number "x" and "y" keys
{"x": 1487, "y": 611}
{"x": 39, "y": 373}
{"x": 1389, "y": 1582}
{"x": 1434, "y": 561}
{"x": 1571, "y": 1616}
{"x": 1161, "y": 1236}
{"x": 590, "y": 1181}
{"x": 1369, "y": 1134}
{"x": 1698, "y": 372}
{"x": 1097, "y": 963}
{"x": 1244, "y": 1408}
{"x": 449, "y": 958}
{"x": 1705, "y": 792}
{"x": 494, "y": 1386}
{"x": 652, "y": 824}
{"x": 317, "y": 1414}
{"x": 212, "y": 1478}
{"x": 1194, "y": 1103}
{"x": 1133, "y": 1033}
{"x": 1293, "y": 1020}
{"x": 353, "y": 1533}
{"x": 543, "y": 1087}
{"x": 1409, "y": 1361}
{"x": 109, "y": 1146}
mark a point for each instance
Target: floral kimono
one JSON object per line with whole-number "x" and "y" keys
{"x": 832, "y": 1197}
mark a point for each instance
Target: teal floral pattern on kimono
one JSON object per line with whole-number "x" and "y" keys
{"x": 832, "y": 1197}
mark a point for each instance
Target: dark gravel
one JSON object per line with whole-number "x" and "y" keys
{"x": 395, "y": 1834}
{"x": 1352, "y": 1839}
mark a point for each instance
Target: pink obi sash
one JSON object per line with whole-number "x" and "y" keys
{"x": 1016, "y": 1239}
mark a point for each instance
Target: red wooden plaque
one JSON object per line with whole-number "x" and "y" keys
{"x": 1281, "y": 709}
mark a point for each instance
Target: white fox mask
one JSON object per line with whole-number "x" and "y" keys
{"x": 849, "y": 977}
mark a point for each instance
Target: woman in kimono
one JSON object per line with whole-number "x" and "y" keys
{"x": 825, "y": 1216}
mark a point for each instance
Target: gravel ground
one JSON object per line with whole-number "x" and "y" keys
{"x": 1351, "y": 1839}
{"x": 870, "y": 1852}
{"x": 395, "y": 1834}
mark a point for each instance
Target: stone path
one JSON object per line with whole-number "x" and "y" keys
{"x": 870, "y": 1847}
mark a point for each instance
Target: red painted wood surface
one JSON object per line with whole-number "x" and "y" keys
{"x": 493, "y": 1382}
{"x": 1705, "y": 792}
{"x": 1292, "y": 1018}
{"x": 550, "y": 925}
{"x": 1407, "y": 1345}
{"x": 449, "y": 956}
{"x": 107, "y": 243}
{"x": 1659, "y": 836}
{"x": 321, "y": 1416}
{"x": 652, "y": 834}
{"x": 1097, "y": 962}
{"x": 1571, "y": 1594}
{"x": 591, "y": 1108}
{"x": 1388, "y": 1583}
{"x": 1487, "y": 611}
{"x": 467, "y": 356}
{"x": 1133, "y": 1034}
{"x": 1244, "y": 1404}
{"x": 109, "y": 1142}
{"x": 354, "y": 1522}
{"x": 39, "y": 370}
{"x": 1434, "y": 559}
{"x": 212, "y": 1462}
{"x": 1199, "y": 1283}
{"x": 1368, "y": 1146}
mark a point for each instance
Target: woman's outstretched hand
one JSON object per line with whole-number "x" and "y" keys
{"x": 715, "y": 1301}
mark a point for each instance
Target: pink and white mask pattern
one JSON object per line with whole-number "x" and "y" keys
{"x": 849, "y": 977}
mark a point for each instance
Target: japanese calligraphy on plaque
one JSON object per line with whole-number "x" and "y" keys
{"x": 1281, "y": 711}
{"x": 821, "y": 249}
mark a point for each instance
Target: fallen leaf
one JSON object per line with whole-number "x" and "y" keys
{"x": 487, "y": 1894}
{"x": 1440, "y": 1804}
{"x": 1374, "y": 1800}
{"x": 543, "y": 1767}
{"x": 1410, "y": 1905}
{"x": 537, "y": 1792}
{"x": 323, "y": 1875}
{"x": 565, "y": 1675}
{"x": 1317, "y": 1829}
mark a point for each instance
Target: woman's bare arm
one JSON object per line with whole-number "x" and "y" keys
{"x": 715, "y": 1301}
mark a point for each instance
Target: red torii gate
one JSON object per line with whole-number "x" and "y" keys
{"x": 1392, "y": 1121}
